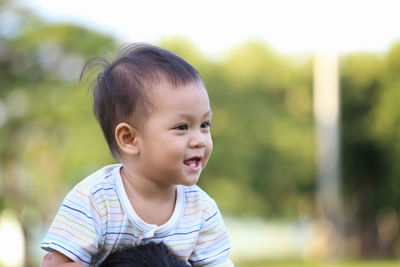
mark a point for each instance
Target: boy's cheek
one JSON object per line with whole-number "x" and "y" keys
{"x": 209, "y": 151}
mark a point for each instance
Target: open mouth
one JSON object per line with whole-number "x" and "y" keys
{"x": 193, "y": 163}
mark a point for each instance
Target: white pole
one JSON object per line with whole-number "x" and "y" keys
{"x": 327, "y": 115}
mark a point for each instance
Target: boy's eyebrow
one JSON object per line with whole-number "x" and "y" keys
{"x": 185, "y": 115}
{"x": 208, "y": 113}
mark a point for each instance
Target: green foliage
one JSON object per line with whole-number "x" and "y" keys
{"x": 72, "y": 39}
{"x": 261, "y": 119}
{"x": 48, "y": 136}
{"x": 370, "y": 147}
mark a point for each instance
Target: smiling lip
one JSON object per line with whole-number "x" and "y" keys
{"x": 193, "y": 163}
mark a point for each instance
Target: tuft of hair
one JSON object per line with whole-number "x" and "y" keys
{"x": 119, "y": 91}
{"x": 146, "y": 255}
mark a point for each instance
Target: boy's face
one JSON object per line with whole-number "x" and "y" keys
{"x": 174, "y": 140}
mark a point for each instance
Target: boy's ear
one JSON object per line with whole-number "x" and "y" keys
{"x": 127, "y": 139}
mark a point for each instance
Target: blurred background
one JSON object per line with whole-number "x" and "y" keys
{"x": 306, "y": 122}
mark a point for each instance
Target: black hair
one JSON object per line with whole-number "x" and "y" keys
{"x": 119, "y": 92}
{"x": 146, "y": 255}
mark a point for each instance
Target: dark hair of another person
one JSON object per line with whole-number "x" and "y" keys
{"x": 146, "y": 255}
{"x": 119, "y": 92}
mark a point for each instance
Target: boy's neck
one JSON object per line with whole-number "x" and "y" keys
{"x": 153, "y": 203}
{"x": 145, "y": 188}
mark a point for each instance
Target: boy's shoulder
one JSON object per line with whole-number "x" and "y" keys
{"x": 99, "y": 179}
{"x": 194, "y": 190}
{"x": 195, "y": 194}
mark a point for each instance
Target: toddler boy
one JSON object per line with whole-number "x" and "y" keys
{"x": 155, "y": 114}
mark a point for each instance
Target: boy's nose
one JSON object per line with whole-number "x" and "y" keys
{"x": 198, "y": 139}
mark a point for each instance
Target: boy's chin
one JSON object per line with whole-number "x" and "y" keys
{"x": 190, "y": 182}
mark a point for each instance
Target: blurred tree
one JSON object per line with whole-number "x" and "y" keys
{"x": 47, "y": 132}
{"x": 362, "y": 159}
{"x": 370, "y": 142}
{"x": 385, "y": 131}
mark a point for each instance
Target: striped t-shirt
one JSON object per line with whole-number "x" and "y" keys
{"x": 96, "y": 218}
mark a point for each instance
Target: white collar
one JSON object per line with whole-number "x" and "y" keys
{"x": 148, "y": 229}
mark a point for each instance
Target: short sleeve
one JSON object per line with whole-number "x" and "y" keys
{"x": 213, "y": 245}
{"x": 75, "y": 229}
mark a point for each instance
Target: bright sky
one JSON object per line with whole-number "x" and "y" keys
{"x": 215, "y": 26}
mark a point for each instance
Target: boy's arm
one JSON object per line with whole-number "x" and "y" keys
{"x": 76, "y": 230}
{"x": 57, "y": 259}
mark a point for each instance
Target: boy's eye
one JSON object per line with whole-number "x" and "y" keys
{"x": 182, "y": 127}
{"x": 206, "y": 124}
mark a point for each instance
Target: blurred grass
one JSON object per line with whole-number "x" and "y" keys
{"x": 318, "y": 264}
